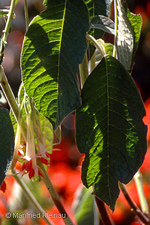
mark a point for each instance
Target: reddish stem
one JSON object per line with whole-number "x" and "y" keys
{"x": 105, "y": 217}
{"x": 133, "y": 205}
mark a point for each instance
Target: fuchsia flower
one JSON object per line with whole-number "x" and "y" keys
{"x": 27, "y": 167}
{"x": 34, "y": 147}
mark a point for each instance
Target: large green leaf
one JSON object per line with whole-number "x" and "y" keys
{"x": 110, "y": 130}
{"x": 6, "y": 143}
{"x": 54, "y": 46}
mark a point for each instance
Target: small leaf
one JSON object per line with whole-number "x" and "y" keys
{"x": 99, "y": 7}
{"x": 102, "y": 23}
{"x": 110, "y": 130}
{"x": 125, "y": 36}
{"x": 6, "y": 143}
{"x": 136, "y": 22}
{"x": 53, "y": 48}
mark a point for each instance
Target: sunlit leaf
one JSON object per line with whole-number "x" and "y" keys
{"x": 110, "y": 130}
{"x": 136, "y": 22}
{"x": 54, "y": 46}
{"x": 125, "y": 36}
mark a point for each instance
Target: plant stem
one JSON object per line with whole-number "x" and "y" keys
{"x": 106, "y": 219}
{"x": 54, "y": 195}
{"x": 9, "y": 18}
{"x": 83, "y": 67}
{"x": 8, "y": 93}
{"x": 116, "y": 26}
{"x": 139, "y": 213}
{"x": 26, "y": 13}
{"x": 139, "y": 185}
{"x": 96, "y": 43}
{"x": 31, "y": 198}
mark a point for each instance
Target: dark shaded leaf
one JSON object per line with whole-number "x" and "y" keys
{"x": 99, "y": 7}
{"x": 110, "y": 130}
{"x": 102, "y": 23}
{"x": 6, "y": 143}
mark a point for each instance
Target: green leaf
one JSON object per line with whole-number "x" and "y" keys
{"x": 125, "y": 36}
{"x": 6, "y": 143}
{"x": 84, "y": 207}
{"x": 99, "y": 7}
{"x": 109, "y": 48}
{"x": 110, "y": 130}
{"x": 102, "y": 23}
{"x": 54, "y": 46}
{"x": 136, "y": 22}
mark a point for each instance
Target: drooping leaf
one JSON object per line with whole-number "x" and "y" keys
{"x": 102, "y": 23}
{"x": 84, "y": 207}
{"x": 136, "y": 22}
{"x": 53, "y": 47}
{"x": 125, "y": 36}
{"x": 110, "y": 130}
{"x": 6, "y": 143}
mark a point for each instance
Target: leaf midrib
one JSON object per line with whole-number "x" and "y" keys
{"x": 108, "y": 118}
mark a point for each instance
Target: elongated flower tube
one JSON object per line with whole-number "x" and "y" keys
{"x": 30, "y": 166}
{"x": 17, "y": 142}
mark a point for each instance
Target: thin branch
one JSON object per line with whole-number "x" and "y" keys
{"x": 138, "y": 212}
{"x": 54, "y": 195}
{"x": 31, "y": 198}
{"x": 116, "y": 25}
{"x": 143, "y": 201}
{"x": 106, "y": 219}
{"x": 8, "y": 22}
{"x": 26, "y": 13}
